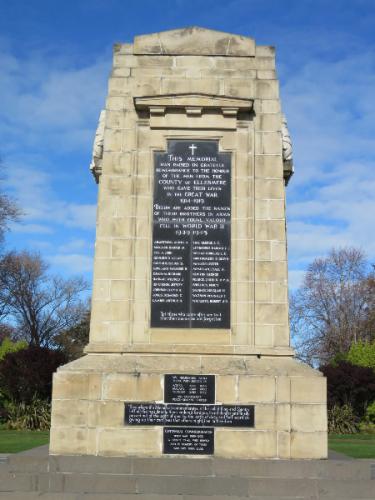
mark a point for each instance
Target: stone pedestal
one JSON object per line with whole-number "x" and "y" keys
{"x": 191, "y": 87}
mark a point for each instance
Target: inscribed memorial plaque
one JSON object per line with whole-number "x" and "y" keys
{"x": 194, "y": 415}
{"x": 196, "y": 441}
{"x": 191, "y": 236}
{"x": 189, "y": 388}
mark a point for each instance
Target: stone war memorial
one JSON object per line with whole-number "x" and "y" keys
{"x": 189, "y": 352}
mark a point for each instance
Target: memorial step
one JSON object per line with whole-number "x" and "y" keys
{"x": 28, "y": 477}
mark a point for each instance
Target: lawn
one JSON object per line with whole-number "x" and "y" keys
{"x": 353, "y": 445}
{"x": 15, "y": 441}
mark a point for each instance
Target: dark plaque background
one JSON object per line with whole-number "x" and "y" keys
{"x": 191, "y": 236}
{"x": 194, "y": 415}
{"x": 186, "y": 440}
{"x": 189, "y": 388}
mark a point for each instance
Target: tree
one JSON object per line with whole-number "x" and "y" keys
{"x": 331, "y": 309}
{"x": 27, "y": 373}
{"x": 362, "y": 354}
{"x": 40, "y": 306}
{"x": 351, "y": 385}
{"x": 74, "y": 340}
{"x": 9, "y": 210}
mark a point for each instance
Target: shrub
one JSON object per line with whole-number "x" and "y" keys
{"x": 362, "y": 354}
{"x": 342, "y": 420}
{"x": 352, "y": 385}
{"x": 7, "y": 346}
{"x": 35, "y": 415}
{"x": 28, "y": 373}
{"x": 370, "y": 413}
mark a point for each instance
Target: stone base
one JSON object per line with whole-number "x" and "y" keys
{"x": 89, "y": 395}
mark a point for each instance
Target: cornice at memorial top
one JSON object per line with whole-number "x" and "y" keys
{"x": 194, "y": 41}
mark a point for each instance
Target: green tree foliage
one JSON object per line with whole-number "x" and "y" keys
{"x": 362, "y": 354}
{"x": 7, "y": 346}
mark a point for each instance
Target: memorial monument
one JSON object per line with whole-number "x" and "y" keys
{"x": 189, "y": 350}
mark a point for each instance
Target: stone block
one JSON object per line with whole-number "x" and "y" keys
{"x": 106, "y": 414}
{"x": 265, "y": 51}
{"x": 120, "y": 289}
{"x": 269, "y": 189}
{"x": 309, "y": 418}
{"x": 270, "y": 271}
{"x": 271, "y": 313}
{"x": 263, "y": 335}
{"x": 268, "y": 143}
{"x": 267, "y": 89}
{"x": 269, "y": 106}
{"x": 283, "y": 445}
{"x": 269, "y": 166}
{"x": 263, "y": 292}
{"x": 101, "y": 290}
{"x": 118, "y": 164}
{"x": 115, "y": 103}
{"x": 240, "y": 88}
{"x": 76, "y": 385}
{"x": 308, "y": 445}
{"x": 134, "y": 387}
{"x": 269, "y": 122}
{"x": 283, "y": 416}
{"x": 113, "y": 268}
{"x": 164, "y": 61}
{"x": 253, "y": 389}
{"x": 181, "y": 85}
{"x": 242, "y": 188}
{"x": 265, "y": 417}
{"x": 126, "y": 441}
{"x": 277, "y": 209}
{"x": 281, "y": 335}
{"x": 283, "y": 389}
{"x": 309, "y": 389}
{"x": 203, "y": 62}
{"x": 279, "y": 292}
{"x": 245, "y": 444}
{"x": 266, "y": 74}
{"x": 278, "y": 250}
{"x": 69, "y": 413}
{"x": 68, "y": 440}
{"x": 122, "y": 248}
{"x": 270, "y": 230}
{"x": 102, "y": 248}
{"x": 119, "y": 331}
{"x": 226, "y": 389}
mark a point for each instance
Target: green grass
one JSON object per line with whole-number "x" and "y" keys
{"x": 353, "y": 445}
{"x": 15, "y": 441}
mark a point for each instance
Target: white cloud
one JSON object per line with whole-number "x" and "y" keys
{"x": 330, "y": 200}
{"x": 49, "y": 102}
{"x": 73, "y": 263}
{"x": 31, "y": 228}
{"x": 33, "y": 189}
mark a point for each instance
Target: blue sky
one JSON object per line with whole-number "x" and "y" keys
{"x": 55, "y": 58}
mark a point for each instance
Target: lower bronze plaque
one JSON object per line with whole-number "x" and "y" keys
{"x": 186, "y": 440}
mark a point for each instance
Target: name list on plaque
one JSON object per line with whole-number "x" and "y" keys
{"x": 191, "y": 236}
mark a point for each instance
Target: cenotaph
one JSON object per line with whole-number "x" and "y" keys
{"x": 189, "y": 351}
